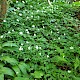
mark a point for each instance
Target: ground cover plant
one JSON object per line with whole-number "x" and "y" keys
{"x": 39, "y": 41}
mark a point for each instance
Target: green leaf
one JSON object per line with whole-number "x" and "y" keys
{"x": 17, "y": 70}
{"x": 76, "y": 63}
{"x": 22, "y": 67}
{"x": 1, "y": 76}
{"x": 59, "y": 59}
{"x": 12, "y": 61}
{"x": 76, "y": 3}
{"x": 21, "y": 78}
{"x": 9, "y": 44}
{"x": 7, "y": 71}
{"x": 38, "y": 74}
{"x": 1, "y": 64}
{"x": 76, "y": 78}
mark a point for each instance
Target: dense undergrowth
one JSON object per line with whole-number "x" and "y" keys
{"x": 40, "y": 42}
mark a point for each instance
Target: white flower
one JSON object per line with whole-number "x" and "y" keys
{"x": 13, "y": 30}
{"x": 64, "y": 34}
{"x": 21, "y": 49}
{"x": 16, "y": 1}
{"x": 21, "y": 33}
{"x": 47, "y": 56}
{"x": 34, "y": 34}
{"x": 9, "y": 32}
{"x": 17, "y": 20}
{"x": 31, "y": 6}
{"x": 33, "y": 26}
{"x": 27, "y": 17}
{"x": 23, "y": 2}
{"x": 40, "y": 54}
{"x": 43, "y": 27}
{"x": 18, "y": 8}
{"x": 4, "y": 20}
{"x": 29, "y": 48}
{"x": 71, "y": 47}
{"x": 69, "y": 71}
{"x": 26, "y": 30}
{"x": 31, "y": 16}
{"x": 57, "y": 32}
{"x": 27, "y": 42}
{"x": 20, "y": 14}
{"x": 51, "y": 32}
{"x": 17, "y": 72}
{"x": 55, "y": 26}
{"x": 14, "y": 12}
{"x": 14, "y": 9}
{"x": 37, "y": 47}
{"x": 22, "y": 44}
{"x": 37, "y": 10}
{"x": 58, "y": 37}
{"x": 43, "y": 8}
{"x": 1, "y": 36}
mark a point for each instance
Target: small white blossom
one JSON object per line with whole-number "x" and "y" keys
{"x": 27, "y": 17}
{"x": 51, "y": 32}
{"x": 43, "y": 8}
{"x": 31, "y": 16}
{"x": 21, "y": 33}
{"x": 37, "y": 10}
{"x": 20, "y": 14}
{"x": 29, "y": 48}
{"x": 4, "y": 20}
{"x": 16, "y": 1}
{"x": 69, "y": 71}
{"x": 9, "y": 32}
{"x": 17, "y": 72}
{"x": 57, "y": 32}
{"x": 22, "y": 44}
{"x": 14, "y": 9}
{"x": 37, "y": 47}
{"x": 27, "y": 42}
{"x": 64, "y": 34}
{"x": 14, "y": 12}
{"x": 27, "y": 32}
{"x": 31, "y": 6}
{"x": 34, "y": 34}
{"x": 43, "y": 27}
{"x": 23, "y": 2}
{"x": 38, "y": 29}
{"x": 1, "y": 36}
{"x": 13, "y": 30}
{"x": 18, "y": 8}
{"x": 17, "y": 20}
{"x": 47, "y": 56}
{"x": 58, "y": 37}
{"x": 21, "y": 49}
{"x": 40, "y": 54}
{"x": 33, "y": 26}
{"x": 71, "y": 47}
